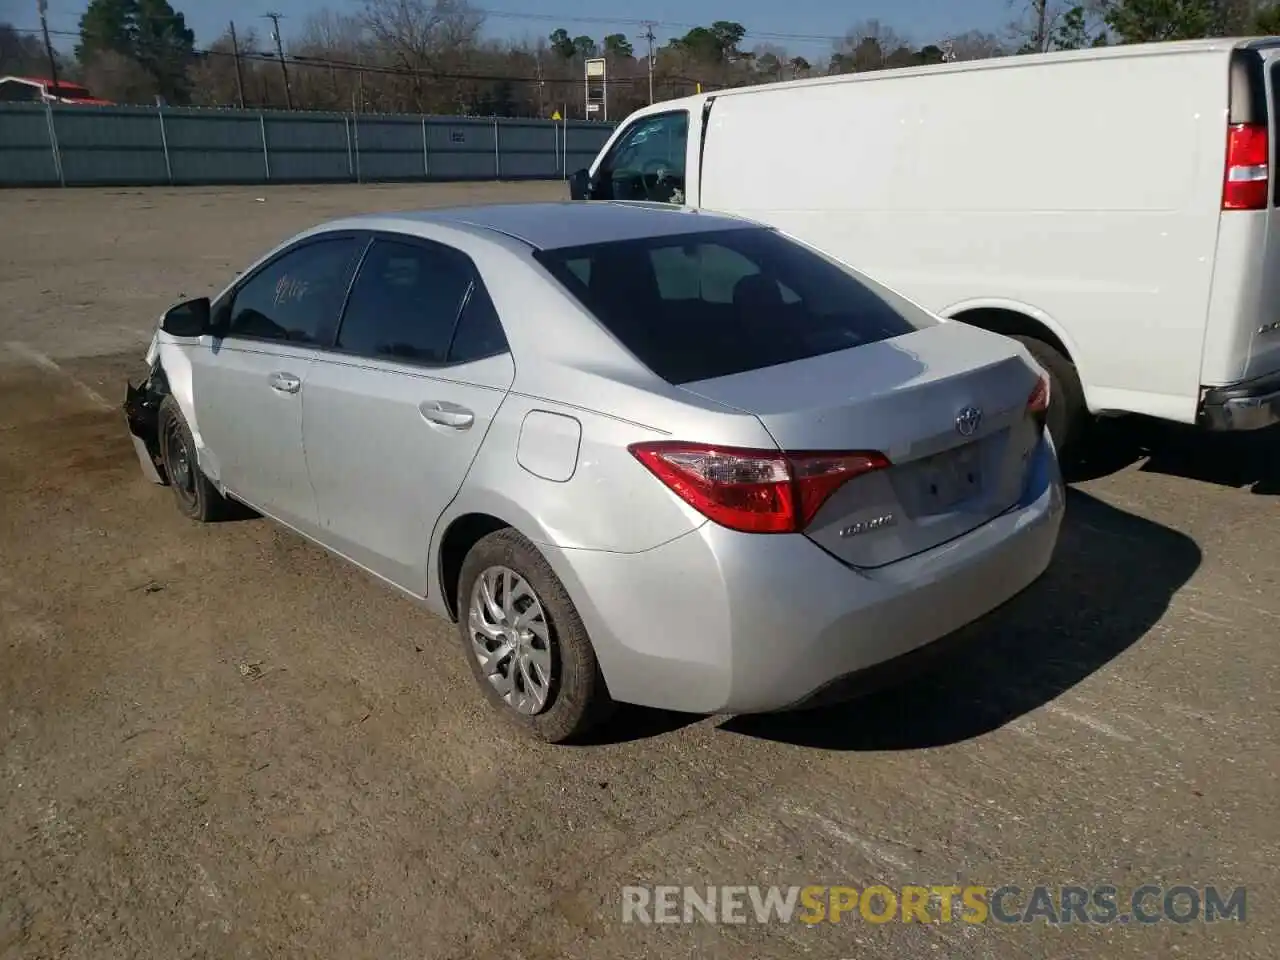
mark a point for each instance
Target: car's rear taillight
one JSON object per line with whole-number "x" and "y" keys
{"x": 1244, "y": 184}
{"x": 755, "y": 491}
{"x": 1038, "y": 401}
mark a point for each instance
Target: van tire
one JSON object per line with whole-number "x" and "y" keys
{"x": 1067, "y": 412}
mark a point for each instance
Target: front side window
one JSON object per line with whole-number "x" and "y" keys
{"x": 697, "y": 306}
{"x": 297, "y": 297}
{"x": 404, "y": 304}
{"x": 647, "y": 162}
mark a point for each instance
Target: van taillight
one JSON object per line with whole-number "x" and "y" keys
{"x": 1244, "y": 185}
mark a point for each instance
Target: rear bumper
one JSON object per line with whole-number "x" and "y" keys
{"x": 723, "y": 622}
{"x": 1251, "y": 405}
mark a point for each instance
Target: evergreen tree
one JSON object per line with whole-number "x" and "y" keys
{"x": 1142, "y": 21}
{"x": 150, "y": 33}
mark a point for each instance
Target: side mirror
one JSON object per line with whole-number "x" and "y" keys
{"x": 580, "y": 185}
{"x": 188, "y": 319}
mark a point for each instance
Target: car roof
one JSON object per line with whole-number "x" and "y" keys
{"x": 552, "y": 225}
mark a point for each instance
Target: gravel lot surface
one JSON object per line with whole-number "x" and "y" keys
{"x": 221, "y": 742}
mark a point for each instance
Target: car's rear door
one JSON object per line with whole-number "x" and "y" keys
{"x": 248, "y": 385}
{"x": 395, "y": 413}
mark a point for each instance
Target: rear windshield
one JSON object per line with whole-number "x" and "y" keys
{"x": 702, "y": 305}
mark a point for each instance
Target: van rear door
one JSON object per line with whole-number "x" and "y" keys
{"x": 1242, "y": 339}
{"x": 1264, "y": 335}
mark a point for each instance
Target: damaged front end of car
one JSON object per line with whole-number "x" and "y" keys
{"x": 141, "y": 410}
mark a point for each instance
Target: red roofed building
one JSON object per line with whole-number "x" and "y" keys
{"x": 41, "y": 90}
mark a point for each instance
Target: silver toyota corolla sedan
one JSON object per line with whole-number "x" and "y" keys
{"x": 637, "y": 454}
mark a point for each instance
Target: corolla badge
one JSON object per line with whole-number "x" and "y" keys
{"x": 866, "y": 526}
{"x": 968, "y": 420}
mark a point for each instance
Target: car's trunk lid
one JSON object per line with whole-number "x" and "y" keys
{"x": 947, "y": 405}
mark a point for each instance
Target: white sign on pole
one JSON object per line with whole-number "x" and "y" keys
{"x": 596, "y": 94}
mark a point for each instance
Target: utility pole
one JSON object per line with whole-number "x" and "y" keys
{"x": 541, "y": 83}
{"x": 235, "y": 53}
{"x": 648, "y": 35}
{"x": 43, "y": 7}
{"x": 284, "y": 70}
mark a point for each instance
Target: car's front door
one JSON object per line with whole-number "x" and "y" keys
{"x": 394, "y": 415}
{"x": 248, "y": 387}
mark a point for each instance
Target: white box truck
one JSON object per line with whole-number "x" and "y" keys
{"x": 1117, "y": 209}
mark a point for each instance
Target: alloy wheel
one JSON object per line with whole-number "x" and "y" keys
{"x": 511, "y": 639}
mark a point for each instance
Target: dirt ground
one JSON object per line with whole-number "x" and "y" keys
{"x": 220, "y": 742}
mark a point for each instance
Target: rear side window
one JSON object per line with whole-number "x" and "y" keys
{"x": 697, "y": 306}
{"x": 479, "y": 333}
{"x": 404, "y": 303}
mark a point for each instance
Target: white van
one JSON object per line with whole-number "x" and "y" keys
{"x": 1115, "y": 209}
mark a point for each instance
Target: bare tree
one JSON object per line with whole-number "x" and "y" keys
{"x": 867, "y": 45}
{"x": 213, "y": 76}
{"x": 327, "y": 56}
{"x": 21, "y": 53}
{"x": 116, "y": 77}
{"x": 422, "y": 37}
{"x": 1033, "y": 31}
{"x": 976, "y": 45}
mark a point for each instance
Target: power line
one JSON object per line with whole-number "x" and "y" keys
{"x": 317, "y": 61}
{"x": 648, "y": 24}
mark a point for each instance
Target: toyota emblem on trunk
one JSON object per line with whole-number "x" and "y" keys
{"x": 968, "y": 420}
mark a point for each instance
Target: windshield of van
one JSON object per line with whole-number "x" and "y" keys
{"x": 696, "y": 306}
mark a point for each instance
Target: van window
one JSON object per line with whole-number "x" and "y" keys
{"x": 647, "y": 162}
{"x": 696, "y": 306}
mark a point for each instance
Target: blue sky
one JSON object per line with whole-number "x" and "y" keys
{"x": 919, "y": 20}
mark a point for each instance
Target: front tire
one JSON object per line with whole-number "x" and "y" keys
{"x": 525, "y": 642}
{"x": 196, "y": 497}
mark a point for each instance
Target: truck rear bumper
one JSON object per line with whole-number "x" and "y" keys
{"x": 1251, "y": 405}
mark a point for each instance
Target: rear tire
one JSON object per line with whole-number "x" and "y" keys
{"x": 1067, "y": 415}
{"x": 196, "y": 497}
{"x": 525, "y": 642}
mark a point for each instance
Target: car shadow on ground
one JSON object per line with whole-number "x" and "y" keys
{"x": 630, "y": 724}
{"x": 1111, "y": 580}
{"x": 1249, "y": 461}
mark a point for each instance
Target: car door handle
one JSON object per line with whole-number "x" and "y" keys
{"x": 446, "y": 414}
{"x": 284, "y": 383}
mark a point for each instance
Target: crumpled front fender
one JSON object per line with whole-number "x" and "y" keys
{"x": 141, "y": 411}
